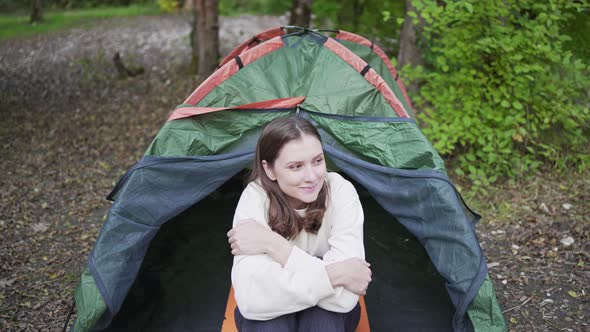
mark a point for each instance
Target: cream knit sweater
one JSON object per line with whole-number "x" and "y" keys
{"x": 265, "y": 290}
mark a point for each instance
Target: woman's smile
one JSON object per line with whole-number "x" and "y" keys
{"x": 310, "y": 188}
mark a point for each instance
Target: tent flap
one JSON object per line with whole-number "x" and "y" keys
{"x": 150, "y": 196}
{"x": 484, "y": 311}
{"x": 89, "y": 301}
{"x": 431, "y": 210}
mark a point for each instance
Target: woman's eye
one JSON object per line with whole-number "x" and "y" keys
{"x": 295, "y": 167}
{"x": 319, "y": 160}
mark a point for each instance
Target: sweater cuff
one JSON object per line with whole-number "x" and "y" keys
{"x": 313, "y": 268}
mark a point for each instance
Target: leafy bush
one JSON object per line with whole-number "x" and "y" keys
{"x": 579, "y": 29}
{"x": 169, "y": 6}
{"x": 259, "y": 7}
{"x": 499, "y": 91}
{"x": 373, "y": 19}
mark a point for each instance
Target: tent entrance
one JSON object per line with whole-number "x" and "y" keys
{"x": 184, "y": 280}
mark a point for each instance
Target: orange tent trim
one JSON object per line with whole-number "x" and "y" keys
{"x": 229, "y": 323}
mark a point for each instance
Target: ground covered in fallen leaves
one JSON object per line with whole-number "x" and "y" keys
{"x": 70, "y": 128}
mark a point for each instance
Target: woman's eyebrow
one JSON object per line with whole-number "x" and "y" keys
{"x": 299, "y": 161}
{"x": 319, "y": 155}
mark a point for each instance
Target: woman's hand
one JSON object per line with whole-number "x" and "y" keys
{"x": 353, "y": 274}
{"x": 249, "y": 238}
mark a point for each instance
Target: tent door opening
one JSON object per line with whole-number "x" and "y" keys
{"x": 184, "y": 280}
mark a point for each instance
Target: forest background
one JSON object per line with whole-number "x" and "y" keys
{"x": 501, "y": 89}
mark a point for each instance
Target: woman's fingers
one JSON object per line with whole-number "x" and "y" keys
{"x": 238, "y": 224}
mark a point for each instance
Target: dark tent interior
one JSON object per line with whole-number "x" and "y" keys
{"x": 184, "y": 281}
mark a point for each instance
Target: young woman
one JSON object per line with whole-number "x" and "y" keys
{"x": 297, "y": 238}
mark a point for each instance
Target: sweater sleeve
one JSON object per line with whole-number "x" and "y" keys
{"x": 263, "y": 288}
{"x": 345, "y": 239}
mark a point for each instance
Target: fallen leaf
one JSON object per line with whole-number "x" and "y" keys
{"x": 104, "y": 165}
{"x": 545, "y": 302}
{"x": 7, "y": 282}
{"x": 572, "y": 294}
{"x": 568, "y": 241}
{"x": 40, "y": 227}
{"x": 544, "y": 208}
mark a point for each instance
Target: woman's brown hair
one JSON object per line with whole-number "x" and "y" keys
{"x": 282, "y": 218}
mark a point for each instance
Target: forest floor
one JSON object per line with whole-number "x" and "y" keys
{"x": 70, "y": 129}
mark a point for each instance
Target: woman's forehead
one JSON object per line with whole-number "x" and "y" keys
{"x": 306, "y": 148}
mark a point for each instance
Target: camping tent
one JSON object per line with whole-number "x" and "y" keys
{"x": 161, "y": 261}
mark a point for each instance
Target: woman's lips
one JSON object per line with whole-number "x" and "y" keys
{"x": 310, "y": 188}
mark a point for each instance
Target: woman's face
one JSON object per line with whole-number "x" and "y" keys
{"x": 300, "y": 170}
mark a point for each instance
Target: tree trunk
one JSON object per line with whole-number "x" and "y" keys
{"x": 409, "y": 51}
{"x": 357, "y": 12}
{"x": 300, "y": 13}
{"x": 205, "y": 36}
{"x": 36, "y": 11}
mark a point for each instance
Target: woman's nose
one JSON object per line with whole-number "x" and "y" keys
{"x": 309, "y": 174}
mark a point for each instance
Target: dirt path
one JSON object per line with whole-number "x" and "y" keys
{"x": 69, "y": 129}
{"x": 46, "y": 66}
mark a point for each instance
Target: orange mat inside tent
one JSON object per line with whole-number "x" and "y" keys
{"x": 229, "y": 324}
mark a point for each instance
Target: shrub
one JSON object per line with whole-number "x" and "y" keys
{"x": 499, "y": 92}
{"x": 169, "y": 6}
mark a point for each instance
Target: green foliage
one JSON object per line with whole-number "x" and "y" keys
{"x": 260, "y": 7}
{"x": 373, "y": 19}
{"x": 169, "y": 6}
{"x": 499, "y": 91}
{"x": 578, "y": 28}
{"x": 24, "y": 6}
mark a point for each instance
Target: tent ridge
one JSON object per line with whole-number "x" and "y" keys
{"x": 232, "y": 67}
{"x": 352, "y": 37}
{"x": 253, "y": 42}
{"x": 377, "y": 81}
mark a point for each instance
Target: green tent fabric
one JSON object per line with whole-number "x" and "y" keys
{"x": 161, "y": 261}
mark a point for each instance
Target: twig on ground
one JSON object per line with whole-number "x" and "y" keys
{"x": 532, "y": 325}
{"x": 553, "y": 326}
{"x": 518, "y": 306}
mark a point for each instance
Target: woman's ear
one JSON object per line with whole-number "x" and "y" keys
{"x": 268, "y": 171}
